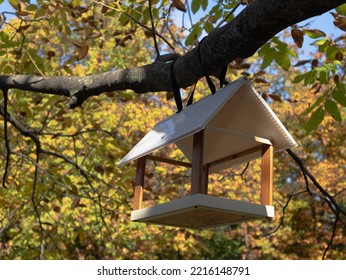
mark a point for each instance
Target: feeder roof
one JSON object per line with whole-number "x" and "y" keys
{"x": 236, "y": 120}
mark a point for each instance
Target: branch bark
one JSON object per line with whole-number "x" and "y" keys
{"x": 242, "y": 37}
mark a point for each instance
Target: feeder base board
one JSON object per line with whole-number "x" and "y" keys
{"x": 202, "y": 211}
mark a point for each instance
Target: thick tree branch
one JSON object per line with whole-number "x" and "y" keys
{"x": 242, "y": 37}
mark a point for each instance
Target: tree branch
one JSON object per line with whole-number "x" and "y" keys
{"x": 8, "y": 150}
{"x": 153, "y": 29}
{"x": 291, "y": 196}
{"x": 333, "y": 205}
{"x": 242, "y": 37}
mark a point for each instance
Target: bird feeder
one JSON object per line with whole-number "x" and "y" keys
{"x": 231, "y": 127}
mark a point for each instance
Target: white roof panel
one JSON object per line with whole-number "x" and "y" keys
{"x": 235, "y": 119}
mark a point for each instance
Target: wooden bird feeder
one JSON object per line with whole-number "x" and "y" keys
{"x": 233, "y": 126}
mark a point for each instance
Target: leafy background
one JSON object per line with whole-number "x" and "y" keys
{"x": 71, "y": 200}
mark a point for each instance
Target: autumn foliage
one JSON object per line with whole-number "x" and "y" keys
{"x": 64, "y": 197}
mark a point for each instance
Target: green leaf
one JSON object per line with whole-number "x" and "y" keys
{"x": 339, "y": 96}
{"x": 145, "y": 15}
{"x": 31, "y": 7}
{"x": 268, "y": 58}
{"x": 331, "y": 52}
{"x": 215, "y": 9}
{"x": 317, "y": 103}
{"x": 262, "y": 51}
{"x": 124, "y": 19}
{"x": 310, "y": 77}
{"x": 15, "y": 4}
{"x": 278, "y": 42}
{"x": 111, "y": 13}
{"x": 283, "y": 59}
{"x": 138, "y": 12}
{"x": 196, "y": 4}
{"x": 330, "y": 66}
{"x": 315, "y": 119}
{"x": 321, "y": 42}
{"x": 1, "y": 1}
{"x": 204, "y": 4}
{"x": 268, "y": 53}
{"x": 10, "y": 44}
{"x": 337, "y": 63}
{"x": 208, "y": 27}
{"x": 332, "y": 108}
{"x": 4, "y": 37}
{"x": 7, "y": 70}
{"x": 314, "y": 33}
{"x": 190, "y": 39}
{"x": 291, "y": 52}
{"x": 341, "y": 9}
{"x": 51, "y": 101}
{"x": 324, "y": 77}
{"x": 322, "y": 48}
{"x": 40, "y": 13}
{"x": 299, "y": 78}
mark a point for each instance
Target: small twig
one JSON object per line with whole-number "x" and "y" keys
{"x": 189, "y": 13}
{"x": 34, "y": 63}
{"x": 139, "y": 23}
{"x": 102, "y": 216}
{"x": 25, "y": 19}
{"x": 338, "y": 193}
{"x": 284, "y": 212}
{"x": 332, "y": 237}
{"x": 153, "y": 29}
{"x": 241, "y": 174}
{"x": 229, "y": 14}
{"x": 333, "y": 205}
{"x": 327, "y": 197}
{"x": 33, "y": 195}
{"x": 81, "y": 132}
{"x": 7, "y": 144}
{"x": 33, "y": 134}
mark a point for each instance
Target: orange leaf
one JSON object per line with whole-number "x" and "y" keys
{"x": 314, "y": 63}
{"x": 275, "y": 97}
{"x": 339, "y": 21}
{"x": 179, "y": 5}
{"x": 265, "y": 95}
{"x": 298, "y": 37}
{"x": 262, "y": 81}
{"x": 77, "y": 44}
{"x": 83, "y": 51}
{"x": 302, "y": 62}
{"x": 339, "y": 56}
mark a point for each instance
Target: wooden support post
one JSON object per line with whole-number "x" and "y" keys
{"x": 138, "y": 197}
{"x": 267, "y": 175}
{"x": 199, "y": 176}
{"x": 139, "y": 183}
{"x": 205, "y": 175}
